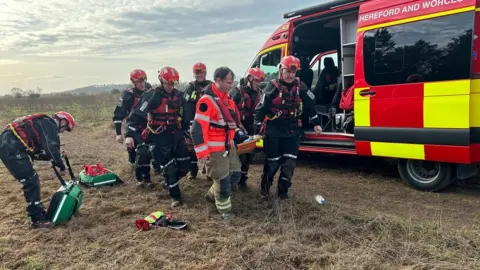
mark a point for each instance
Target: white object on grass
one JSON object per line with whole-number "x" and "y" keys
{"x": 320, "y": 199}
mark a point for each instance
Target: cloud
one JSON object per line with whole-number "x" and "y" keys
{"x": 9, "y": 62}
{"x": 75, "y": 40}
{"x": 45, "y": 77}
{"x": 11, "y": 75}
{"x": 105, "y": 28}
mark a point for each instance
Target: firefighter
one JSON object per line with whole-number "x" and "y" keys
{"x": 163, "y": 135}
{"x": 129, "y": 99}
{"x": 193, "y": 92}
{"x": 282, "y": 102}
{"x": 34, "y": 137}
{"x": 246, "y": 98}
{"x": 214, "y": 127}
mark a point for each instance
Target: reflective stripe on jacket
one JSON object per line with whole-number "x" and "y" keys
{"x": 210, "y": 130}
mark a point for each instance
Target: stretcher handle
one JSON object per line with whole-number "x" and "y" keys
{"x": 58, "y": 174}
{"x": 67, "y": 162}
{"x": 60, "y": 178}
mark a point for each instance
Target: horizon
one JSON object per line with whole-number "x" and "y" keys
{"x": 83, "y": 44}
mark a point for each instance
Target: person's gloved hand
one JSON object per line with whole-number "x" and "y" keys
{"x": 119, "y": 138}
{"x": 257, "y": 137}
{"x": 240, "y": 136}
{"x": 129, "y": 142}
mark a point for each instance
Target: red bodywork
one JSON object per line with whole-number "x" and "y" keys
{"x": 402, "y": 105}
{"x": 280, "y": 36}
{"x": 393, "y": 105}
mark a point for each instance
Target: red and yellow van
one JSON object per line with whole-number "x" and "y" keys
{"x": 415, "y": 73}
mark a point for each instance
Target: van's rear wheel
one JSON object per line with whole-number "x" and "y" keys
{"x": 426, "y": 175}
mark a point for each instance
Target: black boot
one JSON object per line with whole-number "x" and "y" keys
{"x": 283, "y": 186}
{"x": 147, "y": 179}
{"x": 44, "y": 224}
{"x": 140, "y": 183}
{"x": 193, "y": 170}
{"x": 265, "y": 188}
{"x": 242, "y": 185}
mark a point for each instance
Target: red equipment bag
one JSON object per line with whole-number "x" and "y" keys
{"x": 94, "y": 170}
{"x": 346, "y": 103}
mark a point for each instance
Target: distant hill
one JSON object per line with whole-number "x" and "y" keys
{"x": 97, "y": 89}
{"x": 102, "y": 88}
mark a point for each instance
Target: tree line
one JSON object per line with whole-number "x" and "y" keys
{"x": 17, "y": 92}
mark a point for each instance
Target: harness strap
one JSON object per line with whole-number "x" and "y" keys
{"x": 19, "y": 138}
{"x": 280, "y": 95}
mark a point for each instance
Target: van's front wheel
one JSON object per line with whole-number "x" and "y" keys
{"x": 426, "y": 175}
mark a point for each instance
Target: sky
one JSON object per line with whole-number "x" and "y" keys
{"x": 60, "y": 45}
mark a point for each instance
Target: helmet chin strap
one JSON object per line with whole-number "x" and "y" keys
{"x": 251, "y": 83}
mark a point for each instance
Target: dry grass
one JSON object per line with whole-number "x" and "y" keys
{"x": 370, "y": 220}
{"x": 84, "y": 108}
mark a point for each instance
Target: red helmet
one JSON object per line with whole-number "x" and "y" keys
{"x": 199, "y": 67}
{"x": 168, "y": 75}
{"x": 290, "y": 62}
{"x": 66, "y": 116}
{"x": 256, "y": 73}
{"x": 138, "y": 74}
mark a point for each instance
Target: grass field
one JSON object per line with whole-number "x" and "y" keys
{"x": 370, "y": 220}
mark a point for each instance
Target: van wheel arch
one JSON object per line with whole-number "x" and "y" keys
{"x": 426, "y": 175}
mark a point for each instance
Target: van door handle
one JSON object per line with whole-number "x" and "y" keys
{"x": 367, "y": 92}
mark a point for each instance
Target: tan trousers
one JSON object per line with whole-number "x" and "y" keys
{"x": 225, "y": 172}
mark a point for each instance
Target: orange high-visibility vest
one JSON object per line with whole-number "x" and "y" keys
{"x": 211, "y": 131}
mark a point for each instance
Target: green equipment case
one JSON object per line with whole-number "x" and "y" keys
{"x": 108, "y": 178}
{"x": 67, "y": 200}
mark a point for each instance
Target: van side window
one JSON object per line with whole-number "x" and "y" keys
{"x": 269, "y": 63}
{"x": 436, "y": 49}
{"x": 319, "y": 65}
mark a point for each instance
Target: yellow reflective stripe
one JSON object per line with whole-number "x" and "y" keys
{"x": 446, "y": 104}
{"x": 362, "y": 108}
{"x": 212, "y": 190}
{"x": 458, "y": 87}
{"x": 223, "y": 204}
{"x": 279, "y": 46}
{"x": 398, "y": 150}
{"x": 475, "y": 103}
